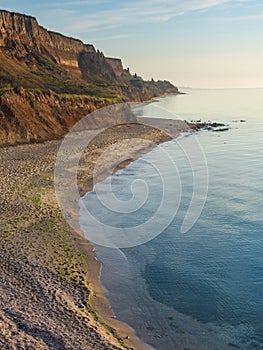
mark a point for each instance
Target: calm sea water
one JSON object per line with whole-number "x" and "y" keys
{"x": 203, "y": 289}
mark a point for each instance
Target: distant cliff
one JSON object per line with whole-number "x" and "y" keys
{"x": 50, "y": 65}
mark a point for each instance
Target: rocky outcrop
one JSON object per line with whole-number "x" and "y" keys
{"x": 95, "y": 66}
{"x": 116, "y": 65}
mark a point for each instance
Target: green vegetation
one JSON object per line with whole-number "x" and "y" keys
{"x": 62, "y": 256}
{"x": 36, "y": 199}
{"x": 48, "y": 64}
{"x": 43, "y": 74}
{"x": 4, "y": 90}
{"x": 95, "y": 95}
{"x": 115, "y": 334}
{"x": 92, "y": 311}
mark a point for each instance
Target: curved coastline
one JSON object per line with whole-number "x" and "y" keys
{"x": 59, "y": 269}
{"x": 182, "y": 322}
{"x": 158, "y": 131}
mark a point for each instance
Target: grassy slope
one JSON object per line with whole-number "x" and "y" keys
{"x": 41, "y": 73}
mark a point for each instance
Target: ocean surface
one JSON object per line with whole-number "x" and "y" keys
{"x": 201, "y": 289}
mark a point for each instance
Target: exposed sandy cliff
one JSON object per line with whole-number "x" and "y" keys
{"x": 49, "y": 81}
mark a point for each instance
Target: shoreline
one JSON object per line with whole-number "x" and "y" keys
{"x": 172, "y": 129}
{"x": 101, "y": 301}
{"x": 35, "y": 235}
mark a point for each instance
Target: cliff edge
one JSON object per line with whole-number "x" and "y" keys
{"x": 47, "y": 76}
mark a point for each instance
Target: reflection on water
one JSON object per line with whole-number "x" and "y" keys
{"x": 202, "y": 290}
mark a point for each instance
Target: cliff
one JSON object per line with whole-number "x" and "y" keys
{"x": 21, "y": 35}
{"x": 35, "y": 116}
{"x": 116, "y": 65}
{"x": 40, "y": 62}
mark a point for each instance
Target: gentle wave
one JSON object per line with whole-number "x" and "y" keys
{"x": 202, "y": 290}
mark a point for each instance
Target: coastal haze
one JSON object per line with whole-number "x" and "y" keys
{"x": 198, "y": 43}
{"x": 130, "y": 208}
{"x": 49, "y": 274}
{"x": 203, "y": 289}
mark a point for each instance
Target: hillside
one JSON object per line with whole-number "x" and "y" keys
{"x": 46, "y": 75}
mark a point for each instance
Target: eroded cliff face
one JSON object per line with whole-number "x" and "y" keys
{"x": 34, "y": 47}
{"x": 38, "y": 67}
{"x": 116, "y": 65}
{"x": 21, "y": 35}
{"x": 35, "y": 116}
{"x": 94, "y": 65}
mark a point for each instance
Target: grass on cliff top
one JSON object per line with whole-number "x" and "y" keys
{"x": 106, "y": 96}
{"x": 4, "y": 90}
{"x": 42, "y": 74}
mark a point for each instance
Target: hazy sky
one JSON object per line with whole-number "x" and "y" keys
{"x": 198, "y": 43}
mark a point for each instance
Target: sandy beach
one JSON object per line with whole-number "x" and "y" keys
{"x": 50, "y": 294}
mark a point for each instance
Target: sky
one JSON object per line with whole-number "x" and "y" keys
{"x": 193, "y": 43}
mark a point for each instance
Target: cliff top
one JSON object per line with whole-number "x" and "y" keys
{"x": 33, "y": 57}
{"x": 25, "y": 16}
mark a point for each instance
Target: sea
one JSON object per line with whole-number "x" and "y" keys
{"x": 194, "y": 278}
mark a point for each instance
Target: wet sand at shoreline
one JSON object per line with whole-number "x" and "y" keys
{"x": 49, "y": 275}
